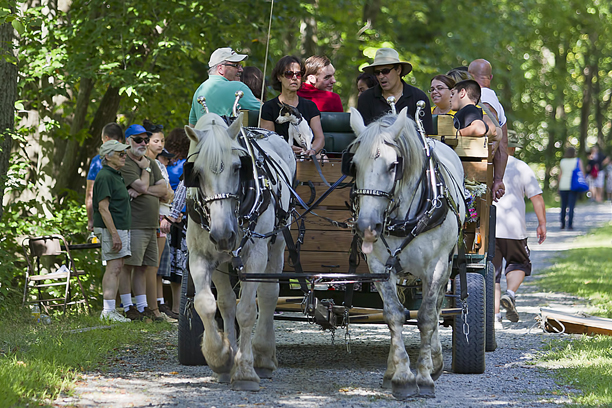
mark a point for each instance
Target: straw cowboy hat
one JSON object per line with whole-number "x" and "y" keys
{"x": 388, "y": 56}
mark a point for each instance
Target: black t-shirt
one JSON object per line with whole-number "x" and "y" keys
{"x": 373, "y": 106}
{"x": 271, "y": 110}
{"x": 466, "y": 115}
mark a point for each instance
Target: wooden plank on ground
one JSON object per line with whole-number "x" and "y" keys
{"x": 556, "y": 321}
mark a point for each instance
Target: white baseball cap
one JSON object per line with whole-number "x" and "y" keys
{"x": 225, "y": 54}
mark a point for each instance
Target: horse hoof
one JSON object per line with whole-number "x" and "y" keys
{"x": 245, "y": 386}
{"x": 386, "y": 383}
{"x": 224, "y": 378}
{"x": 427, "y": 391}
{"x": 264, "y": 372}
{"x": 401, "y": 392}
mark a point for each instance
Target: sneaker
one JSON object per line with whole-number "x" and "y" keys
{"x": 113, "y": 316}
{"x": 148, "y": 313}
{"x": 165, "y": 309}
{"x": 508, "y": 303}
{"x": 498, "y": 323}
{"x": 133, "y": 314}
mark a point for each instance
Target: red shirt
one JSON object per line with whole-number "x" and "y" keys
{"x": 326, "y": 101}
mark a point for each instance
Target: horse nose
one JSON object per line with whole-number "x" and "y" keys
{"x": 363, "y": 225}
{"x": 223, "y": 241}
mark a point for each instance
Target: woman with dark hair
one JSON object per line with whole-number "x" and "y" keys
{"x": 568, "y": 197}
{"x": 287, "y": 78}
{"x": 365, "y": 81}
{"x": 439, "y": 92}
{"x": 253, "y": 78}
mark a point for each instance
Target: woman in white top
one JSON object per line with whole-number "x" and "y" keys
{"x": 568, "y": 197}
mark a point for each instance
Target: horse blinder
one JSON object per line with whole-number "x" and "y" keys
{"x": 399, "y": 168}
{"x": 347, "y": 166}
{"x": 190, "y": 177}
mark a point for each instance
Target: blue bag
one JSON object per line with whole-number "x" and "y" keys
{"x": 579, "y": 183}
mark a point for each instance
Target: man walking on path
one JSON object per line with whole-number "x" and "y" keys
{"x": 511, "y": 231}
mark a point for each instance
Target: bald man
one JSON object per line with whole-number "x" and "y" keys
{"x": 481, "y": 70}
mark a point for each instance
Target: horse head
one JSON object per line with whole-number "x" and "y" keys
{"x": 386, "y": 152}
{"x": 217, "y": 170}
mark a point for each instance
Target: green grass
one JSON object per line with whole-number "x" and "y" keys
{"x": 585, "y": 271}
{"x": 584, "y": 363}
{"x": 40, "y": 361}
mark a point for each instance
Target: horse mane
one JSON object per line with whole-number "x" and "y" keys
{"x": 408, "y": 145}
{"x": 215, "y": 146}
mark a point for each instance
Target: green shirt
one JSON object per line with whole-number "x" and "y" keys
{"x": 145, "y": 207}
{"x": 220, "y": 94}
{"x": 109, "y": 184}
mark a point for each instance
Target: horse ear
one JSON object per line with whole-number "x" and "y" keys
{"x": 234, "y": 128}
{"x": 357, "y": 122}
{"x": 400, "y": 123}
{"x": 192, "y": 134}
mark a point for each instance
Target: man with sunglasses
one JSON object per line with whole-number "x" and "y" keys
{"x": 389, "y": 71}
{"x": 221, "y": 86}
{"x": 146, "y": 186}
{"x": 318, "y": 83}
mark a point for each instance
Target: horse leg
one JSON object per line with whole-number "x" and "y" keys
{"x": 430, "y": 355}
{"x": 216, "y": 348}
{"x": 244, "y": 377}
{"x": 226, "y": 302}
{"x": 264, "y": 342}
{"x": 398, "y": 375}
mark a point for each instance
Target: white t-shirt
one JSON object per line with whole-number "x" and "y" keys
{"x": 487, "y": 95}
{"x": 520, "y": 182}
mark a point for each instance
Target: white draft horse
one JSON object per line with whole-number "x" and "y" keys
{"x": 427, "y": 257}
{"x": 217, "y": 165}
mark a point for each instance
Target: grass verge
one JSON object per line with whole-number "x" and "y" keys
{"x": 584, "y": 363}
{"x": 40, "y": 361}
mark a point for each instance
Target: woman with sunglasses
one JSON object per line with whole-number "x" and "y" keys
{"x": 287, "y": 78}
{"x": 439, "y": 92}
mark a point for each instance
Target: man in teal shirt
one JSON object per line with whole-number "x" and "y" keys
{"x": 221, "y": 86}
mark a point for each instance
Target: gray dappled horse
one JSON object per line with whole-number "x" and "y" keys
{"x": 382, "y": 195}
{"x": 217, "y": 169}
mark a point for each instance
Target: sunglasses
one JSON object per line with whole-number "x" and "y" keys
{"x": 155, "y": 128}
{"x": 232, "y": 65}
{"x": 384, "y": 71}
{"x": 139, "y": 140}
{"x": 291, "y": 74}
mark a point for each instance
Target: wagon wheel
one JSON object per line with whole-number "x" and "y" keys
{"x": 490, "y": 305}
{"x": 469, "y": 356}
{"x": 189, "y": 336}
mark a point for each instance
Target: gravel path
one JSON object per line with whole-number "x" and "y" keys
{"x": 315, "y": 373}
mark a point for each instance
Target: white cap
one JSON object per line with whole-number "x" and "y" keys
{"x": 225, "y": 54}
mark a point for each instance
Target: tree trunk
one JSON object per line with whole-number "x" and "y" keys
{"x": 308, "y": 30}
{"x": 371, "y": 9}
{"x": 106, "y": 113}
{"x": 585, "y": 109}
{"x": 70, "y": 163}
{"x": 8, "y": 96}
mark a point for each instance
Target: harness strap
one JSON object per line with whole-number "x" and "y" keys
{"x": 318, "y": 167}
{"x": 294, "y": 257}
{"x": 462, "y": 264}
{"x": 353, "y": 264}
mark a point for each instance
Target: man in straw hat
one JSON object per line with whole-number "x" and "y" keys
{"x": 389, "y": 71}
{"x": 511, "y": 231}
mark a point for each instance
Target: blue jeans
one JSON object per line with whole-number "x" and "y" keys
{"x": 568, "y": 199}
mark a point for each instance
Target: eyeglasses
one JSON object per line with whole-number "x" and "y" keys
{"x": 291, "y": 74}
{"x": 437, "y": 88}
{"x": 384, "y": 71}
{"x": 238, "y": 65}
{"x": 122, "y": 154}
{"x": 139, "y": 140}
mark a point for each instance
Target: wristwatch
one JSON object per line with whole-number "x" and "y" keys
{"x": 148, "y": 169}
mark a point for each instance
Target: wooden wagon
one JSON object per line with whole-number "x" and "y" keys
{"x": 324, "y": 251}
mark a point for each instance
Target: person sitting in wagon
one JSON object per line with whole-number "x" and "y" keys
{"x": 469, "y": 119}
